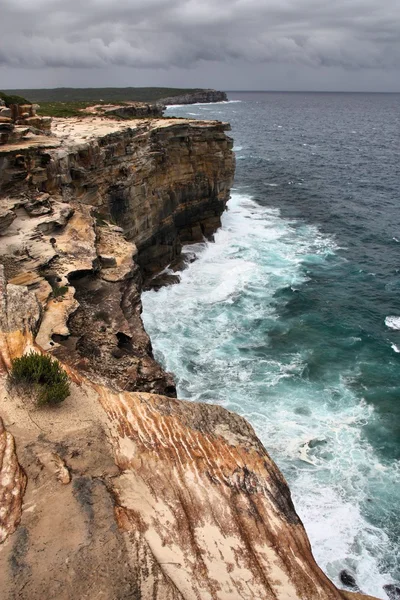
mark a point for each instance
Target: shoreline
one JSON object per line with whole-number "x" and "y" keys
{"x": 167, "y": 497}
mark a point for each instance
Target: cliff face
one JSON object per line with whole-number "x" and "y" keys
{"x": 164, "y": 182}
{"x": 136, "y": 110}
{"x": 134, "y": 495}
{"x": 194, "y": 97}
{"x": 122, "y": 492}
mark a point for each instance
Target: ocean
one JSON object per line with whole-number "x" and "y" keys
{"x": 291, "y": 317}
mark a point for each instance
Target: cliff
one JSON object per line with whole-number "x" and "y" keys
{"x": 123, "y": 491}
{"x": 203, "y": 96}
{"x": 126, "y": 110}
{"x": 165, "y": 182}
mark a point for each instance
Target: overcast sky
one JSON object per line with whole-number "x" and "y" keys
{"x": 227, "y": 44}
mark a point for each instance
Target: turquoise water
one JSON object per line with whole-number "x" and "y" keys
{"x": 284, "y": 318}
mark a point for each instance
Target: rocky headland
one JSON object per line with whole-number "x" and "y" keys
{"x": 122, "y": 491}
{"x": 202, "y": 96}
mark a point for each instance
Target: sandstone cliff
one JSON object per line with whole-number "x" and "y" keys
{"x": 164, "y": 182}
{"x": 132, "y": 495}
{"x": 123, "y": 492}
{"x": 19, "y": 120}
{"x": 205, "y": 96}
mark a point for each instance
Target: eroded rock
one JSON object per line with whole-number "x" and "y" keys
{"x": 6, "y": 218}
{"x": 348, "y": 579}
{"x": 392, "y": 591}
{"x": 12, "y": 485}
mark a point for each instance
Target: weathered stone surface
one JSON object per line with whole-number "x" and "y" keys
{"x": 40, "y": 123}
{"x": 6, "y": 218}
{"x": 5, "y": 112}
{"x": 40, "y": 205}
{"x": 159, "y": 281}
{"x": 392, "y": 591}
{"x": 6, "y": 130}
{"x": 136, "y": 110}
{"x": 164, "y": 182}
{"x": 95, "y": 323}
{"x": 22, "y": 115}
{"x": 12, "y": 485}
{"x": 55, "y": 319}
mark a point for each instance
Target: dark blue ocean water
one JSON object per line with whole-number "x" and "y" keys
{"x": 292, "y": 316}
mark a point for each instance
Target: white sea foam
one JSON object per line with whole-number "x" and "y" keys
{"x": 213, "y": 330}
{"x": 392, "y": 322}
{"x": 202, "y": 104}
{"x": 395, "y": 348}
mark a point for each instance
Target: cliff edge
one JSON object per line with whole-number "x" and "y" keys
{"x": 200, "y": 96}
{"x": 123, "y": 491}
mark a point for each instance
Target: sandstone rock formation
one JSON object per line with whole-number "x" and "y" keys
{"x": 136, "y": 110}
{"x": 205, "y": 96}
{"x": 164, "y": 182}
{"x": 132, "y": 495}
{"x": 18, "y": 120}
{"x": 122, "y": 492}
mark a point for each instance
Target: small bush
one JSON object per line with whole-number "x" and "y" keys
{"x": 48, "y": 378}
{"x": 58, "y": 292}
{"x": 100, "y": 219}
{"x": 13, "y": 99}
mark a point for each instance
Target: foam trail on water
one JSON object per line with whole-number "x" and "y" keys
{"x": 215, "y": 331}
{"x": 202, "y": 104}
{"x": 393, "y": 322}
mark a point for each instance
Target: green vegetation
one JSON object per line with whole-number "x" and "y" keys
{"x": 97, "y": 95}
{"x": 13, "y": 99}
{"x": 102, "y": 220}
{"x": 59, "y": 291}
{"x": 64, "y": 109}
{"x": 44, "y": 375}
{"x": 71, "y": 102}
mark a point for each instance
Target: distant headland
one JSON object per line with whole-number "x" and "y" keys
{"x": 162, "y": 95}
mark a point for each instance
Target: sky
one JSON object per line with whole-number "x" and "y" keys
{"x": 327, "y": 45}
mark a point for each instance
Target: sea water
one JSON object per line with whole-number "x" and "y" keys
{"x": 291, "y": 317}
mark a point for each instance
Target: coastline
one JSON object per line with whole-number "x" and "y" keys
{"x": 193, "y": 490}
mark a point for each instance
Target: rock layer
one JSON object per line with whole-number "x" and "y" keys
{"x": 135, "y": 110}
{"x": 164, "y": 182}
{"x": 205, "y": 96}
{"x": 19, "y": 120}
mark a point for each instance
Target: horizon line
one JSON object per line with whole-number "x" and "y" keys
{"x": 311, "y": 92}
{"x": 231, "y": 91}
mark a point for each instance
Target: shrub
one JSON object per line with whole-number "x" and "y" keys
{"x": 13, "y": 99}
{"x": 44, "y": 374}
{"x": 58, "y": 292}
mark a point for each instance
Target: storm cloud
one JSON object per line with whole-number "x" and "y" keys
{"x": 186, "y": 34}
